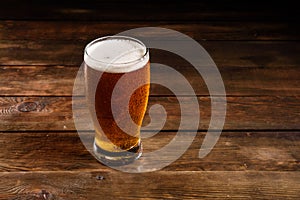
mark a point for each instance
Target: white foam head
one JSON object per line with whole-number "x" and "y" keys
{"x": 116, "y": 54}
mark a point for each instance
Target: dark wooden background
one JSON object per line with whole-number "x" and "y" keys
{"x": 256, "y": 48}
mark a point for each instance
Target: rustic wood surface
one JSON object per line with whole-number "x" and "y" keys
{"x": 239, "y": 81}
{"x": 235, "y": 151}
{"x": 157, "y": 185}
{"x": 256, "y": 48}
{"x": 203, "y": 30}
{"x": 224, "y": 53}
{"x": 243, "y": 113}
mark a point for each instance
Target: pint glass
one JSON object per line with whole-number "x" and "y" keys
{"x": 117, "y": 82}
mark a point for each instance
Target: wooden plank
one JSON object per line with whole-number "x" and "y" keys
{"x": 234, "y": 151}
{"x": 76, "y": 30}
{"x": 243, "y": 113}
{"x": 158, "y": 185}
{"x": 238, "y": 81}
{"x": 224, "y": 53}
{"x": 149, "y": 10}
{"x": 37, "y": 80}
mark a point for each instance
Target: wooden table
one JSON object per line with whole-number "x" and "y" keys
{"x": 256, "y": 49}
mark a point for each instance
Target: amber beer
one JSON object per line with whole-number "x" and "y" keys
{"x": 110, "y": 61}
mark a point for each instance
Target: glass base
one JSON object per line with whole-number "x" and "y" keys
{"x": 118, "y": 158}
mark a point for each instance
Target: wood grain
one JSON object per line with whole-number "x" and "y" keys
{"x": 256, "y": 48}
{"x": 224, "y": 53}
{"x": 238, "y": 81}
{"x": 235, "y": 151}
{"x": 243, "y": 113}
{"x": 157, "y": 185}
{"x": 213, "y": 30}
{"x": 37, "y": 80}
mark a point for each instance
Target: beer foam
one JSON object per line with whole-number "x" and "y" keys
{"x": 116, "y": 55}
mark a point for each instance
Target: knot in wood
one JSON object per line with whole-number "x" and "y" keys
{"x": 27, "y": 106}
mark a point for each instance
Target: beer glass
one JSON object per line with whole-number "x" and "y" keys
{"x": 117, "y": 82}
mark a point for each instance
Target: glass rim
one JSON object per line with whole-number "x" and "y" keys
{"x": 116, "y": 37}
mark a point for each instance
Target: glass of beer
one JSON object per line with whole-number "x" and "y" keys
{"x": 117, "y": 82}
